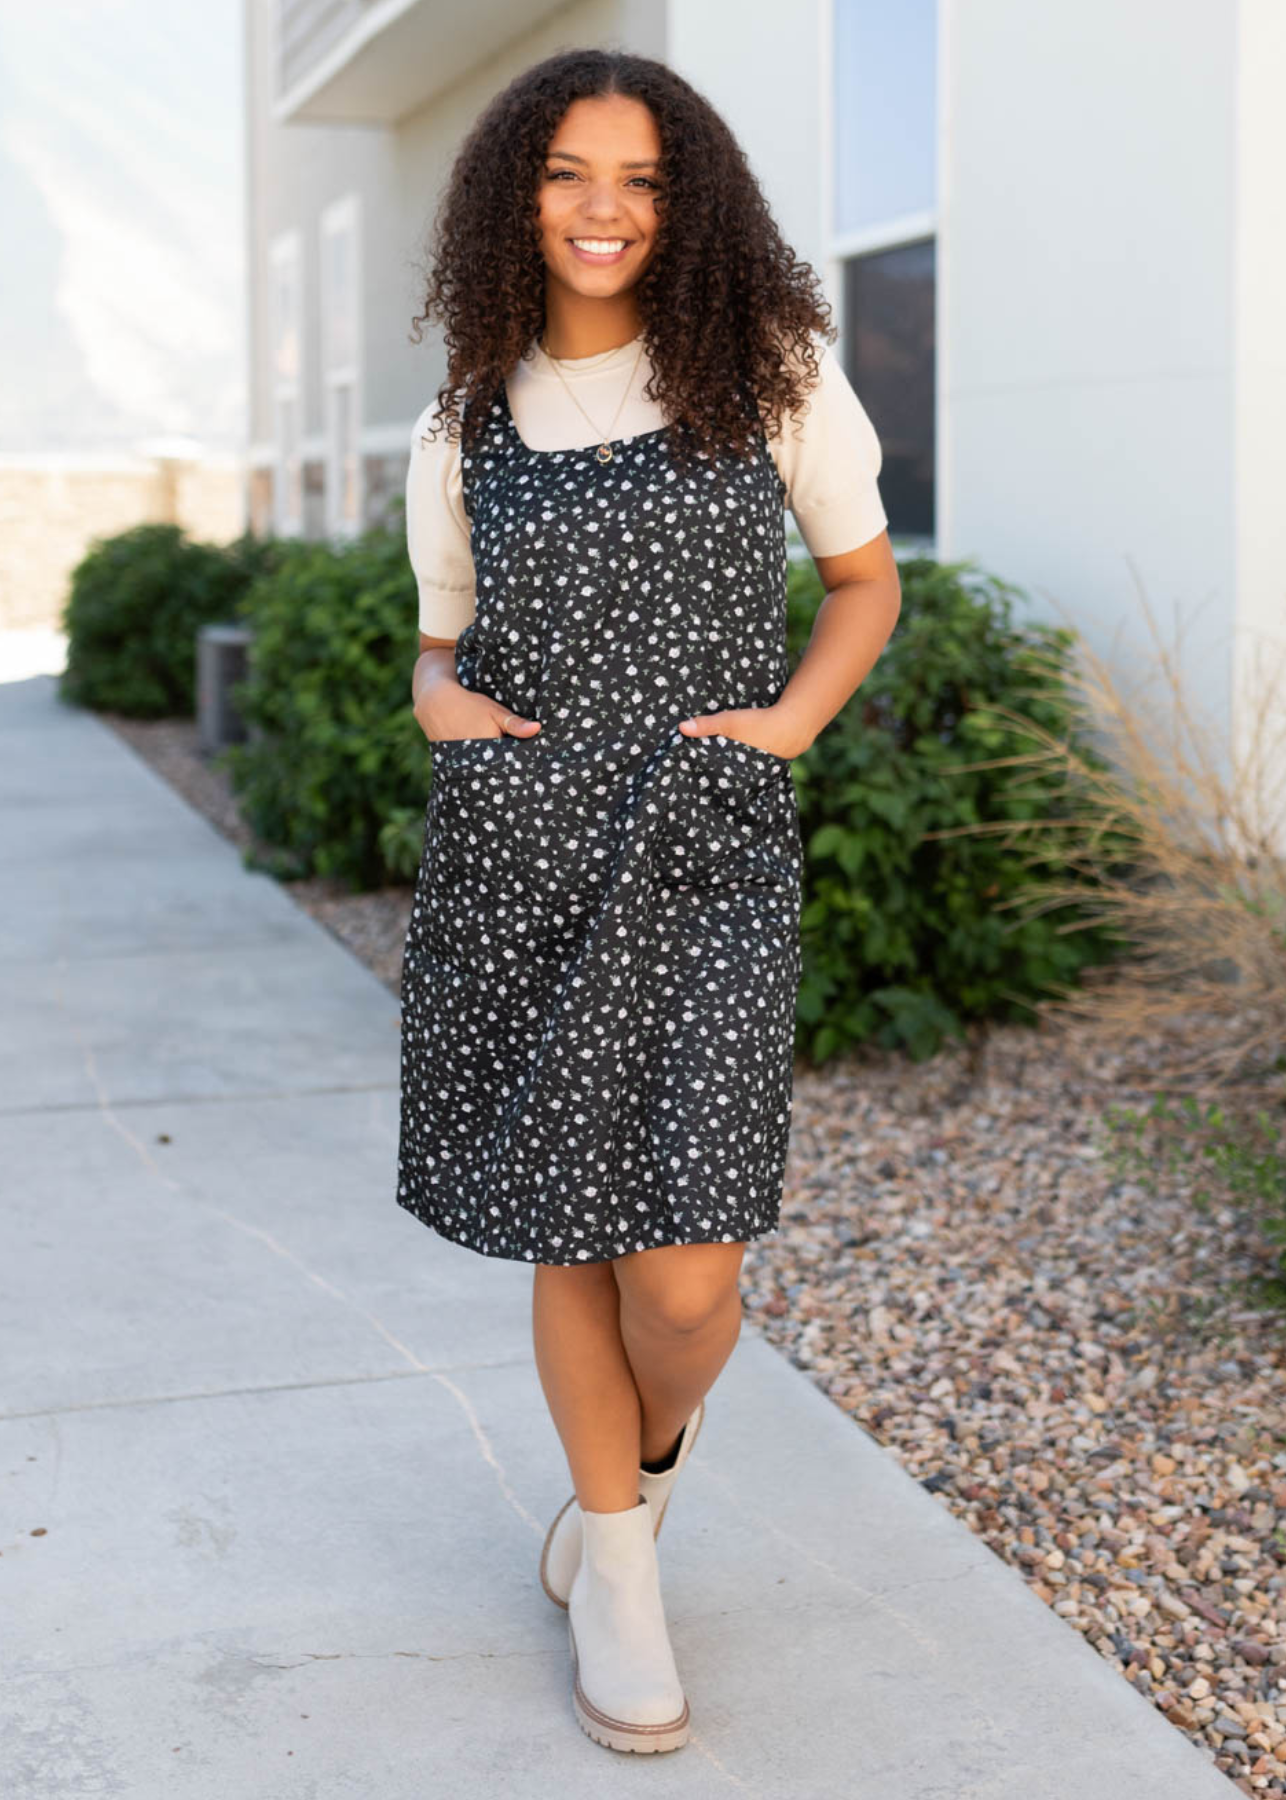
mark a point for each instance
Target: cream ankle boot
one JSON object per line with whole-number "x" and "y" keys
{"x": 561, "y": 1553}
{"x": 626, "y": 1691}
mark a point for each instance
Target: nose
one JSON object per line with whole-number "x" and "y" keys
{"x": 600, "y": 205}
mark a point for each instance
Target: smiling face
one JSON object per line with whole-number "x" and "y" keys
{"x": 597, "y": 193}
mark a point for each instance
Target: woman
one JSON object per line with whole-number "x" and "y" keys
{"x": 601, "y": 969}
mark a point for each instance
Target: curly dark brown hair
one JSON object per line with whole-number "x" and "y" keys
{"x": 727, "y": 308}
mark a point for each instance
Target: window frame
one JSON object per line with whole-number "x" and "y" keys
{"x": 342, "y": 216}
{"x": 286, "y": 257}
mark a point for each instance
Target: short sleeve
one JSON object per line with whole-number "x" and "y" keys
{"x": 437, "y": 531}
{"x": 829, "y": 457}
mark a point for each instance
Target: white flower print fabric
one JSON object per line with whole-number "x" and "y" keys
{"x": 602, "y": 965}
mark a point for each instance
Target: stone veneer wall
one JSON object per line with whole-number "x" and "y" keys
{"x": 51, "y": 509}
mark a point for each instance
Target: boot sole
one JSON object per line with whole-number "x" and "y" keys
{"x": 620, "y": 1734}
{"x": 549, "y": 1535}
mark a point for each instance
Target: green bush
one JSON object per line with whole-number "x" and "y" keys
{"x": 906, "y": 938}
{"x": 903, "y": 936}
{"x": 336, "y": 772}
{"x": 136, "y": 603}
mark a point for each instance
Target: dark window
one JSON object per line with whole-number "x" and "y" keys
{"x": 888, "y": 355}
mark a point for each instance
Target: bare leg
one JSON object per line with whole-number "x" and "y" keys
{"x": 624, "y": 1351}
{"x": 587, "y": 1381}
{"x": 680, "y": 1317}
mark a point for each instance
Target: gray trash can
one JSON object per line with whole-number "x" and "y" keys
{"x": 222, "y": 658}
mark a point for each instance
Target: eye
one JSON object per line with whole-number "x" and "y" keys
{"x": 553, "y": 175}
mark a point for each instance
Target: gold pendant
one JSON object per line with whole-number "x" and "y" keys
{"x": 604, "y": 453}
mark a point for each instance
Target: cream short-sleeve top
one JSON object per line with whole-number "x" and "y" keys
{"x": 828, "y": 456}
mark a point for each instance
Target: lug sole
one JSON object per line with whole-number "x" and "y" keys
{"x": 620, "y": 1734}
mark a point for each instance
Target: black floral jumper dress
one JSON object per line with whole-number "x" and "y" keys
{"x": 602, "y": 963}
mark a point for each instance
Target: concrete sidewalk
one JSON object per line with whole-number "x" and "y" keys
{"x": 286, "y": 1450}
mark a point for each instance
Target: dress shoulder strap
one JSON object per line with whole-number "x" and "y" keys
{"x": 490, "y": 447}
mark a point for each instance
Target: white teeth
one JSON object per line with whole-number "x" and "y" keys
{"x": 599, "y": 246}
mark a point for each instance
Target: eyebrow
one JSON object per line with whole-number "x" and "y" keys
{"x": 567, "y": 156}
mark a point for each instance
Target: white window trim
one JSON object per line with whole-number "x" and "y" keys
{"x": 287, "y": 249}
{"x": 908, "y": 229}
{"x": 342, "y": 215}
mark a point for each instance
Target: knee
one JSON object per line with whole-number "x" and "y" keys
{"x": 679, "y": 1309}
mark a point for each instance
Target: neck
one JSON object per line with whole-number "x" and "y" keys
{"x": 576, "y": 325}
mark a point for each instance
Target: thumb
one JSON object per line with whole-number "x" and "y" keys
{"x": 705, "y": 724}
{"x": 513, "y": 724}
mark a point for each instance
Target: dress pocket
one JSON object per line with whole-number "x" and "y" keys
{"x": 445, "y": 753}
{"x": 737, "y": 833}
{"x": 750, "y": 753}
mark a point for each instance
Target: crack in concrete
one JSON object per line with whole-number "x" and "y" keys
{"x": 315, "y": 1656}
{"x": 699, "y": 1744}
{"x": 266, "y": 1387}
{"x": 251, "y": 1096}
{"x": 488, "y": 1454}
{"x": 308, "y": 1657}
{"x": 259, "y": 1235}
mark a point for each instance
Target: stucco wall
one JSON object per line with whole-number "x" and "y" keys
{"x": 1085, "y": 324}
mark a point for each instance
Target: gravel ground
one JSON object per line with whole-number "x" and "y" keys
{"x": 1064, "y": 1358}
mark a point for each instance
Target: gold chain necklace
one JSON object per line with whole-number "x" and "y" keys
{"x": 604, "y": 451}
